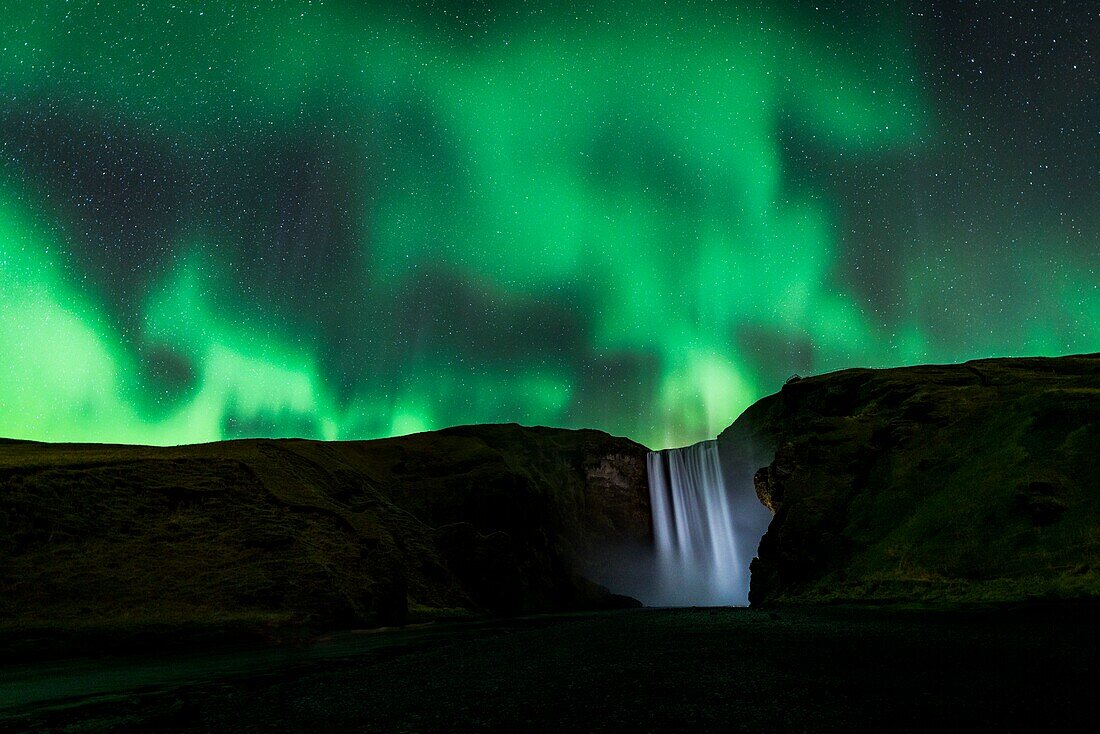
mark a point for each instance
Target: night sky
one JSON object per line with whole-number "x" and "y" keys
{"x": 358, "y": 219}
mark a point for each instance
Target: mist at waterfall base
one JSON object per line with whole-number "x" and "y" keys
{"x": 707, "y": 525}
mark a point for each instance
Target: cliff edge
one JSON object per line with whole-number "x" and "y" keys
{"x": 958, "y": 484}
{"x": 263, "y": 536}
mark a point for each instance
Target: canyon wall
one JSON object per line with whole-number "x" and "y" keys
{"x": 270, "y": 534}
{"x": 955, "y": 484}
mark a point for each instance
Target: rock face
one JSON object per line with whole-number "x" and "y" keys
{"x": 492, "y": 518}
{"x": 938, "y": 484}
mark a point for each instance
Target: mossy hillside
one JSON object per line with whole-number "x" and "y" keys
{"x": 971, "y": 483}
{"x": 261, "y": 535}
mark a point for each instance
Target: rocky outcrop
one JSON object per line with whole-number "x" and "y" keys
{"x": 937, "y": 484}
{"x": 276, "y": 533}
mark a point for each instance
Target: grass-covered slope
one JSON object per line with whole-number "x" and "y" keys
{"x": 244, "y": 536}
{"x": 939, "y": 484}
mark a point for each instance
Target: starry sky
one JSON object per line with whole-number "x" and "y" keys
{"x": 358, "y": 219}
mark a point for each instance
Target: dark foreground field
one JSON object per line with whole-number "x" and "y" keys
{"x": 647, "y": 670}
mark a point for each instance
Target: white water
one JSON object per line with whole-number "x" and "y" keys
{"x": 693, "y": 526}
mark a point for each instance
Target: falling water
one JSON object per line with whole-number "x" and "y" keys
{"x": 693, "y": 526}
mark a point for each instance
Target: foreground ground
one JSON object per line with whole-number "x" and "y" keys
{"x": 648, "y": 670}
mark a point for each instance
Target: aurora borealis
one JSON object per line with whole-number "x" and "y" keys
{"x": 354, "y": 219}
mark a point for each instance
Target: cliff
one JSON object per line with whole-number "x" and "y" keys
{"x": 956, "y": 484}
{"x": 258, "y": 536}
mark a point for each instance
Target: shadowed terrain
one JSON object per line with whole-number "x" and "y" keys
{"x": 106, "y": 545}
{"x": 648, "y": 670}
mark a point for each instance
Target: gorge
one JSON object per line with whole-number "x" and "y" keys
{"x": 940, "y": 485}
{"x": 940, "y": 515}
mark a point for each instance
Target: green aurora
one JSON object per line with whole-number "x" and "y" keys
{"x": 327, "y": 220}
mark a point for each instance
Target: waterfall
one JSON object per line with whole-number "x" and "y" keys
{"x": 693, "y": 527}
